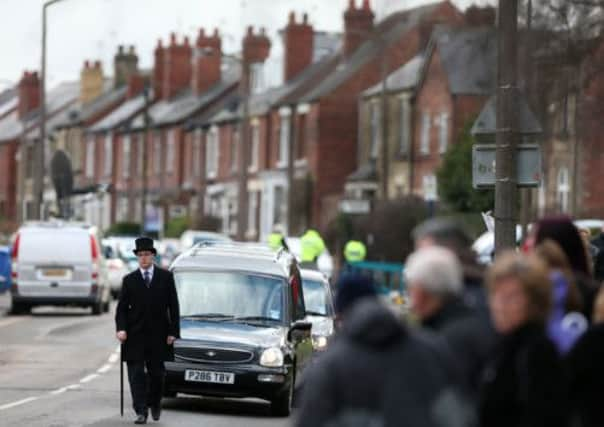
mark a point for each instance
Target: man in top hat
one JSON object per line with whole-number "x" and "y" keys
{"x": 147, "y": 323}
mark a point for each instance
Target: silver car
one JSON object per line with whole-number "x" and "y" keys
{"x": 58, "y": 263}
{"x": 319, "y": 307}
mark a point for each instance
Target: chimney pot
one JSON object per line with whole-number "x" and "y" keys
{"x": 250, "y": 30}
{"x": 132, "y": 50}
{"x": 262, "y": 31}
{"x": 120, "y": 49}
{"x": 202, "y": 32}
{"x": 159, "y": 43}
{"x": 305, "y": 18}
{"x": 186, "y": 40}
{"x": 97, "y": 64}
{"x": 86, "y": 64}
{"x": 292, "y": 17}
{"x": 172, "y": 39}
{"x": 366, "y": 5}
{"x": 216, "y": 33}
{"x": 351, "y": 5}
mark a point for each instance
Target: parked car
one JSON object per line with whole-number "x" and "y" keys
{"x": 320, "y": 311}
{"x": 123, "y": 247}
{"x": 168, "y": 249}
{"x": 117, "y": 267}
{"x": 243, "y": 327}
{"x": 58, "y": 263}
{"x": 324, "y": 262}
{"x": 484, "y": 246}
{"x": 5, "y": 279}
{"x": 189, "y": 238}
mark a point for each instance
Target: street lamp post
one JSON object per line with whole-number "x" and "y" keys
{"x": 145, "y": 137}
{"x": 242, "y": 203}
{"x": 40, "y": 170}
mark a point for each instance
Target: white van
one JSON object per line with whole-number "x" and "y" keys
{"x": 58, "y": 263}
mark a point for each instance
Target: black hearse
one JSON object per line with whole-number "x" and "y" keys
{"x": 243, "y": 332}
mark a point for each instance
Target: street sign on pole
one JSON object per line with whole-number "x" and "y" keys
{"x": 528, "y": 165}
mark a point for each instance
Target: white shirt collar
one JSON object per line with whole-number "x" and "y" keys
{"x": 150, "y": 270}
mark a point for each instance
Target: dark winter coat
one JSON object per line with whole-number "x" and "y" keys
{"x": 470, "y": 337}
{"x": 524, "y": 384}
{"x": 376, "y": 373}
{"x": 586, "y": 371}
{"x": 148, "y": 315}
{"x": 598, "y": 242}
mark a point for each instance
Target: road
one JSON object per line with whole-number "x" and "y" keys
{"x": 59, "y": 367}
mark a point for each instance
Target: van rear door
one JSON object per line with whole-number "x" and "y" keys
{"x": 55, "y": 263}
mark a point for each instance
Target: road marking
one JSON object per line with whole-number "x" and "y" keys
{"x": 58, "y": 391}
{"x": 103, "y": 369}
{"x": 88, "y": 378}
{"x": 113, "y": 358}
{"x": 12, "y": 320}
{"x": 73, "y": 387}
{"x": 17, "y": 403}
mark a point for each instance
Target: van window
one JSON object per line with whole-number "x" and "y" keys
{"x": 54, "y": 246}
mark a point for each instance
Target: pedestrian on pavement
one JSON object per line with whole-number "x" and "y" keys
{"x": 434, "y": 281}
{"x": 147, "y": 323}
{"x": 354, "y": 251}
{"x": 378, "y": 373}
{"x": 311, "y": 246}
{"x": 524, "y": 383}
{"x": 586, "y": 371}
{"x": 561, "y": 230}
{"x": 448, "y": 233}
{"x": 276, "y": 238}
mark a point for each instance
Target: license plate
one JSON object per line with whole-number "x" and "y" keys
{"x": 55, "y": 272}
{"x": 209, "y": 377}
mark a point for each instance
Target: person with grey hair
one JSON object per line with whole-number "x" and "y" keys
{"x": 449, "y": 233}
{"x": 434, "y": 281}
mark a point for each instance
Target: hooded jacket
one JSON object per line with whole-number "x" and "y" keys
{"x": 377, "y": 373}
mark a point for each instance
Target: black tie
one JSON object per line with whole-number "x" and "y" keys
{"x": 147, "y": 278}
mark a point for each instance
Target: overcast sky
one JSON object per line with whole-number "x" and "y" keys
{"x": 92, "y": 29}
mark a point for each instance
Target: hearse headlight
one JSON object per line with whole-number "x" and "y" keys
{"x": 272, "y": 358}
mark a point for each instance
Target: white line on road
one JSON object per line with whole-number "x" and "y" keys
{"x": 114, "y": 358}
{"x": 17, "y": 403}
{"x": 58, "y": 391}
{"x": 104, "y": 368}
{"x": 73, "y": 387}
{"x": 88, "y": 378}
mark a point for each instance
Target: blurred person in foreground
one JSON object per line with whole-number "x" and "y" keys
{"x": 524, "y": 382}
{"x": 434, "y": 281}
{"x": 561, "y": 230}
{"x": 566, "y": 323}
{"x": 377, "y": 373}
{"x": 598, "y": 242}
{"x": 586, "y": 370}
{"x": 450, "y": 234}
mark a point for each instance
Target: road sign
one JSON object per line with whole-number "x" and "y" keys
{"x": 528, "y": 165}
{"x": 355, "y": 206}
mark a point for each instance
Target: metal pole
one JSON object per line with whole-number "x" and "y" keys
{"x": 385, "y": 122}
{"x": 291, "y": 156}
{"x": 506, "y": 190}
{"x": 144, "y": 163}
{"x": 244, "y": 151}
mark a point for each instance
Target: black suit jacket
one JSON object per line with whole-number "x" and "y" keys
{"x": 148, "y": 315}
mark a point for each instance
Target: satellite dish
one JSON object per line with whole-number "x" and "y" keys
{"x": 62, "y": 174}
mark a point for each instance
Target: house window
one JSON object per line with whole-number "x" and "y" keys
{"x": 232, "y": 215}
{"x": 171, "y": 147}
{"x": 126, "y": 156}
{"x": 443, "y": 133}
{"x": 197, "y": 153}
{"x": 425, "y": 137}
{"x": 301, "y": 142}
{"x": 252, "y": 210}
{"x": 90, "y": 143}
{"x": 405, "y": 124}
{"x": 253, "y": 166}
{"x": 212, "y": 154}
{"x": 235, "y": 150}
{"x": 563, "y": 189}
{"x": 376, "y": 129}
{"x": 108, "y": 157}
{"x": 141, "y": 152}
{"x": 29, "y": 161}
{"x": 284, "y": 141}
{"x": 157, "y": 153}
{"x": 280, "y": 206}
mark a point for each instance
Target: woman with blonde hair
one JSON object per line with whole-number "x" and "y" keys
{"x": 523, "y": 384}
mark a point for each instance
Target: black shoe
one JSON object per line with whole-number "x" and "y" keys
{"x": 156, "y": 412}
{"x": 141, "y": 419}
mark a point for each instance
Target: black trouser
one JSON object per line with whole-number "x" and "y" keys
{"x": 146, "y": 387}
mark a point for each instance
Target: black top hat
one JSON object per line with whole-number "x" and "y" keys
{"x": 144, "y": 244}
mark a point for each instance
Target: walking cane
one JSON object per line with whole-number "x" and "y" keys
{"x": 122, "y": 380}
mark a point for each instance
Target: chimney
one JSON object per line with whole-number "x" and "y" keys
{"x": 177, "y": 67}
{"x": 476, "y": 16}
{"x": 256, "y": 48}
{"x": 158, "y": 70}
{"x": 29, "y": 93}
{"x": 125, "y": 65}
{"x": 208, "y": 58}
{"x": 136, "y": 84}
{"x": 91, "y": 81}
{"x": 358, "y": 23}
{"x": 299, "y": 46}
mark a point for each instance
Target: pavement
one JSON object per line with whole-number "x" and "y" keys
{"x": 59, "y": 367}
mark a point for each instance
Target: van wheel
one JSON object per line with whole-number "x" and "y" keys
{"x": 97, "y": 308}
{"x": 20, "y": 308}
